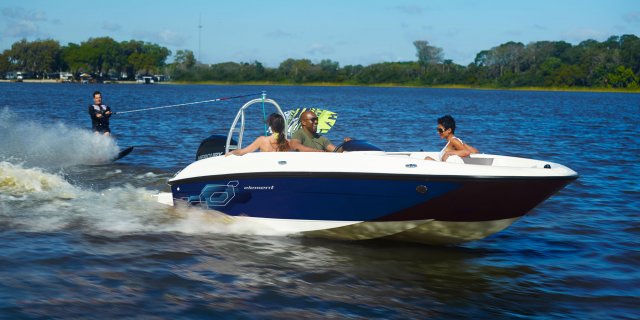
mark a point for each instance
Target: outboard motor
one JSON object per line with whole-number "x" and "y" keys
{"x": 213, "y": 146}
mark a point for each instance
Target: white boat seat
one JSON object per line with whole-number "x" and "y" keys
{"x": 478, "y": 161}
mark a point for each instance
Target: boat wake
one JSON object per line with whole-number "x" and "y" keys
{"x": 33, "y": 200}
{"x": 45, "y": 188}
{"x": 51, "y": 145}
{"x": 42, "y": 189}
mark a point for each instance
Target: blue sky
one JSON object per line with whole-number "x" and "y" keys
{"x": 346, "y": 31}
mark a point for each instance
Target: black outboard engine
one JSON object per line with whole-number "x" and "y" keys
{"x": 213, "y": 146}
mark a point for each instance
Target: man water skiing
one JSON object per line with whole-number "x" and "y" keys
{"x": 100, "y": 115}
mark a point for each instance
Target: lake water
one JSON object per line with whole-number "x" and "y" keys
{"x": 80, "y": 241}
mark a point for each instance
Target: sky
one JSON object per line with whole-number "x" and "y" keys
{"x": 350, "y": 32}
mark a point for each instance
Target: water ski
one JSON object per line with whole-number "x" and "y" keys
{"x": 123, "y": 153}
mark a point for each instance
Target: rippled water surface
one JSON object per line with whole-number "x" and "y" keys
{"x": 89, "y": 241}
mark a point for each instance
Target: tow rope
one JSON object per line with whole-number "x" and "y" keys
{"x": 189, "y": 103}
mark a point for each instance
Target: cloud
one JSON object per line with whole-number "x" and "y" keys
{"x": 452, "y": 32}
{"x": 164, "y": 37}
{"x": 372, "y": 57}
{"x": 539, "y": 27}
{"x": 19, "y": 13}
{"x": 21, "y": 23}
{"x": 461, "y": 56}
{"x": 21, "y": 29}
{"x": 110, "y": 26}
{"x": 513, "y": 33}
{"x": 171, "y": 38}
{"x": 579, "y": 35}
{"x": 320, "y": 49}
{"x": 408, "y": 9}
{"x": 247, "y": 55}
{"x": 278, "y": 34}
{"x": 632, "y": 17}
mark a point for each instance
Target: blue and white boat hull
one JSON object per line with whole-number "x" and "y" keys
{"x": 368, "y": 195}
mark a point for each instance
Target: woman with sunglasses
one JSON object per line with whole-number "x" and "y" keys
{"x": 454, "y": 147}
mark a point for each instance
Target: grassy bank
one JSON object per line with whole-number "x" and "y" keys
{"x": 396, "y": 85}
{"x": 381, "y": 85}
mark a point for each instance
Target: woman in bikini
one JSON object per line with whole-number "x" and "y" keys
{"x": 454, "y": 147}
{"x": 277, "y": 141}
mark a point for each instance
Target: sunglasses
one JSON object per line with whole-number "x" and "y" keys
{"x": 313, "y": 119}
{"x": 440, "y": 130}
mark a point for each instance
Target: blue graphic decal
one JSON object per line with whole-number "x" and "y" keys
{"x": 215, "y": 195}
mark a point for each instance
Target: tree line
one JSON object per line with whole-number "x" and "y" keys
{"x": 613, "y": 63}
{"x": 101, "y": 57}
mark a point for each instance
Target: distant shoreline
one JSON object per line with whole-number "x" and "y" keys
{"x": 329, "y": 84}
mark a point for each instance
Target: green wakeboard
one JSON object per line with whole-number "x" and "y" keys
{"x": 326, "y": 119}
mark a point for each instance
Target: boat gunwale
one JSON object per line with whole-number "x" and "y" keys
{"x": 368, "y": 176}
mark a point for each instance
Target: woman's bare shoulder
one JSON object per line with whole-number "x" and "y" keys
{"x": 265, "y": 144}
{"x": 457, "y": 143}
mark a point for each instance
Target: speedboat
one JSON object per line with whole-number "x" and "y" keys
{"x": 364, "y": 192}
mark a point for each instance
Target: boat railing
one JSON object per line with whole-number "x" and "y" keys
{"x": 240, "y": 117}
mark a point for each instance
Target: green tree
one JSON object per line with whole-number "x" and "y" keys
{"x": 350, "y": 72}
{"x": 567, "y": 76}
{"x": 129, "y": 48}
{"x": 329, "y": 70}
{"x": 298, "y": 71}
{"x": 75, "y": 58}
{"x": 536, "y": 53}
{"x": 145, "y": 57}
{"x": 39, "y": 57}
{"x": 141, "y": 57}
{"x": 427, "y": 54}
{"x": 185, "y": 59}
{"x": 260, "y": 69}
{"x": 630, "y": 52}
{"x": 5, "y": 64}
{"x": 622, "y": 77}
{"x": 505, "y": 57}
{"x": 226, "y": 71}
{"x": 102, "y": 54}
{"x": 592, "y": 59}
